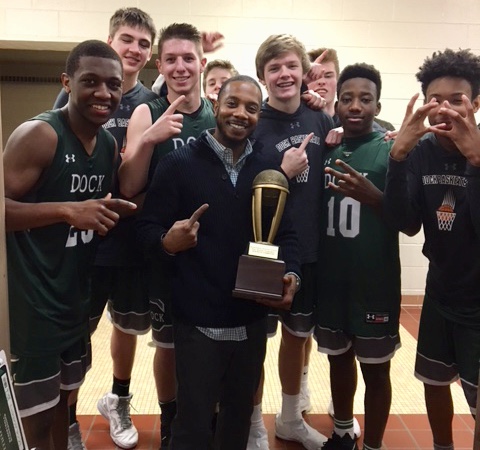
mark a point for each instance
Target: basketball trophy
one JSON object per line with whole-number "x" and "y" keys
{"x": 260, "y": 272}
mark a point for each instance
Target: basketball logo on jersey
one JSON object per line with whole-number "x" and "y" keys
{"x": 303, "y": 177}
{"x": 445, "y": 213}
{"x": 70, "y": 158}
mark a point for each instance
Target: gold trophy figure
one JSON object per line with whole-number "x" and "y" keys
{"x": 260, "y": 272}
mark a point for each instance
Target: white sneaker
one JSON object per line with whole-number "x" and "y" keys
{"x": 117, "y": 411}
{"x": 356, "y": 426}
{"x": 75, "y": 438}
{"x": 258, "y": 439}
{"x": 299, "y": 431}
{"x": 305, "y": 403}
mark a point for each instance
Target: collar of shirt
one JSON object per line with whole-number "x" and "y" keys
{"x": 226, "y": 156}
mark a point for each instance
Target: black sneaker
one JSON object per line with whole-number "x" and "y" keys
{"x": 340, "y": 443}
{"x": 169, "y": 410}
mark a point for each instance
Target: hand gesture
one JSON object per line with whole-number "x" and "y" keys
{"x": 295, "y": 160}
{"x": 183, "y": 233}
{"x": 212, "y": 41}
{"x": 316, "y": 69}
{"x": 289, "y": 289}
{"x": 99, "y": 215}
{"x": 462, "y": 130}
{"x": 313, "y": 100}
{"x": 412, "y": 129}
{"x": 334, "y": 137}
{"x": 353, "y": 184}
{"x": 390, "y": 135}
{"x": 169, "y": 124}
{"x": 213, "y": 98}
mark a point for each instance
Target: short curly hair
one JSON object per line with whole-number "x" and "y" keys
{"x": 360, "y": 70}
{"x": 449, "y": 63}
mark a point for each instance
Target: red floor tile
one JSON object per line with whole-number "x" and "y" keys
{"x": 398, "y": 439}
{"x": 404, "y": 432}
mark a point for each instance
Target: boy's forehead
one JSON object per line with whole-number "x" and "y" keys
{"x": 286, "y": 55}
{"x": 359, "y": 84}
{"x": 448, "y": 85}
{"x": 133, "y": 30}
{"x": 178, "y": 46}
{"x": 99, "y": 65}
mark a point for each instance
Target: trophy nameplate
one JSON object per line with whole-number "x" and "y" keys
{"x": 260, "y": 272}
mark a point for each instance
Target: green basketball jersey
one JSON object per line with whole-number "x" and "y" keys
{"x": 193, "y": 125}
{"x": 48, "y": 266}
{"x": 359, "y": 284}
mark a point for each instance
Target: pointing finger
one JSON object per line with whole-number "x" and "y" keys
{"x": 174, "y": 105}
{"x": 197, "y": 214}
{"x": 305, "y": 142}
{"x": 321, "y": 57}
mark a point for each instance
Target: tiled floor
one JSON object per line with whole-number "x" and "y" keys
{"x": 407, "y": 426}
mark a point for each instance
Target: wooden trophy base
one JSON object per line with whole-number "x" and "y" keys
{"x": 259, "y": 278}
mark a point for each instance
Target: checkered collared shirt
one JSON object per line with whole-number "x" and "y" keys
{"x": 233, "y": 170}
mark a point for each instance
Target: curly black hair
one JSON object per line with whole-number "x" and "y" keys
{"x": 360, "y": 70}
{"x": 449, "y": 63}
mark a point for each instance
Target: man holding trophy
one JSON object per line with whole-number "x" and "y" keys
{"x": 198, "y": 216}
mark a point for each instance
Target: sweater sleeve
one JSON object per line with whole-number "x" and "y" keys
{"x": 400, "y": 198}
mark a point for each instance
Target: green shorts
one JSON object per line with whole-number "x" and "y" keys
{"x": 447, "y": 351}
{"x": 299, "y": 320}
{"x": 124, "y": 290}
{"x": 39, "y": 380}
{"x": 368, "y": 350}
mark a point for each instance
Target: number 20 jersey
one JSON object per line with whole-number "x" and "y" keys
{"x": 48, "y": 267}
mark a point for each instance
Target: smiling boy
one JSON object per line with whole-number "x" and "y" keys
{"x": 118, "y": 274}
{"x": 155, "y": 129}
{"x": 285, "y": 123}
{"x": 58, "y": 174}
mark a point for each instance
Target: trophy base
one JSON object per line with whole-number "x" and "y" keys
{"x": 259, "y": 278}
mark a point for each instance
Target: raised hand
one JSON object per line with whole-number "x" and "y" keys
{"x": 295, "y": 160}
{"x": 212, "y": 41}
{"x": 412, "y": 129}
{"x": 99, "y": 215}
{"x": 353, "y": 184}
{"x": 183, "y": 233}
{"x": 316, "y": 69}
{"x": 462, "y": 129}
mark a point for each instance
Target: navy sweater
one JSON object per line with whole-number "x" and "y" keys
{"x": 203, "y": 277}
